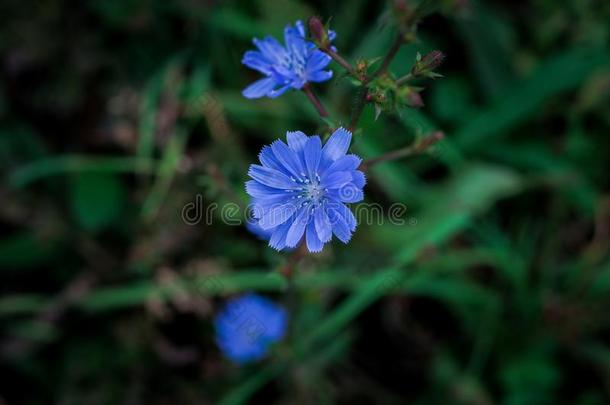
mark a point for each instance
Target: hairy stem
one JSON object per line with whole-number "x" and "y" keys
{"x": 341, "y": 61}
{"x": 419, "y": 147}
{"x": 293, "y": 260}
{"x": 315, "y": 100}
{"x": 403, "y": 80}
{"x": 358, "y": 108}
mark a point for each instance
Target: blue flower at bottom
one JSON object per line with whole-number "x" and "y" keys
{"x": 246, "y": 326}
{"x": 301, "y": 188}
{"x": 286, "y": 66}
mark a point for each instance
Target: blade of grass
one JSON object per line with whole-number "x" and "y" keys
{"x": 472, "y": 191}
{"x": 558, "y": 74}
{"x": 43, "y": 168}
{"x": 150, "y": 104}
{"x": 165, "y": 174}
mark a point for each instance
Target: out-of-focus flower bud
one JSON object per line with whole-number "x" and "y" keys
{"x": 319, "y": 33}
{"x": 376, "y": 96}
{"x": 414, "y": 99}
{"x": 403, "y": 11}
{"x": 430, "y": 140}
{"x": 425, "y": 66}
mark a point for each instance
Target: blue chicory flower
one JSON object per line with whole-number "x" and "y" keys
{"x": 246, "y": 327}
{"x": 301, "y": 189}
{"x": 286, "y": 66}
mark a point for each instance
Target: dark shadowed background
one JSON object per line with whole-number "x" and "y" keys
{"x": 122, "y": 121}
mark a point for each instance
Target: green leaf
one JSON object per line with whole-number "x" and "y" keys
{"x": 553, "y": 77}
{"x": 449, "y": 210}
{"x": 42, "y": 168}
{"x": 97, "y": 200}
{"x": 26, "y": 249}
{"x": 490, "y": 42}
{"x": 172, "y": 155}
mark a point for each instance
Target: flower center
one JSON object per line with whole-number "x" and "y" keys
{"x": 314, "y": 192}
{"x": 295, "y": 64}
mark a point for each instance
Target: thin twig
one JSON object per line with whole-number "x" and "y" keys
{"x": 404, "y": 79}
{"x": 358, "y": 108}
{"x": 414, "y": 149}
{"x": 295, "y": 257}
{"x": 385, "y": 64}
{"x": 315, "y": 100}
{"x": 339, "y": 59}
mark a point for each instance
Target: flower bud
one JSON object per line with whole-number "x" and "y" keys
{"x": 431, "y": 139}
{"x": 428, "y": 63}
{"x": 414, "y": 99}
{"x": 403, "y": 11}
{"x": 318, "y": 32}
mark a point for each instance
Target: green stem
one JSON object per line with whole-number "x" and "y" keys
{"x": 385, "y": 64}
{"x": 358, "y": 108}
{"x": 403, "y": 80}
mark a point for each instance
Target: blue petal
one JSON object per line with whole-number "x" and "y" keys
{"x": 270, "y": 201}
{"x": 318, "y": 60}
{"x": 275, "y": 321}
{"x": 295, "y": 43}
{"x": 257, "y": 61}
{"x": 345, "y": 163}
{"x": 298, "y": 83}
{"x": 284, "y": 73}
{"x": 300, "y": 27}
{"x": 271, "y": 49}
{"x": 255, "y": 210}
{"x": 347, "y": 216}
{"x": 313, "y": 153}
{"x": 322, "y": 224}
{"x": 296, "y": 140}
{"x": 337, "y": 144}
{"x": 278, "y": 92}
{"x": 340, "y": 228}
{"x": 314, "y": 244}
{"x": 246, "y": 326}
{"x": 358, "y": 178}
{"x": 288, "y": 158}
{"x": 278, "y": 238}
{"x": 259, "y": 88}
{"x": 258, "y": 190}
{"x": 295, "y": 233}
{"x": 319, "y": 76}
{"x": 268, "y": 159}
{"x": 279, "y": 213}
{"x": 271, "y": 177}
{"x": 349, "y": 193}
{"x": 335, "y": 179}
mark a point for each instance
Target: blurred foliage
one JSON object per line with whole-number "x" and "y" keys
{"x": 115, "y": 116}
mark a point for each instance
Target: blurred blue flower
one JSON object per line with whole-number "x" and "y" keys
{"x": 246, "y": 326}
{"x": 301, "y": 190}
{"x": 286, "y": 66}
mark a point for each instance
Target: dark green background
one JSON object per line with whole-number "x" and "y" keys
{"x": 114, "y": 115}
